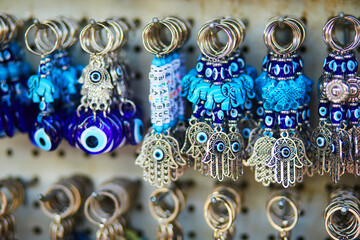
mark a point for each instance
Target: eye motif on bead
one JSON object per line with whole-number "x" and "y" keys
{"x": 321, "y": 142}
{"x": 217, "y": 155}
{"x": 261, "y": 154}
{"x": 197, "y": 136}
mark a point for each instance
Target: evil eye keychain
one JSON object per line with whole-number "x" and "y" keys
{"x": 336, "y": 140}
{"x": 160, "y": 155}
{"x": 46, "y": 129}
{"x": 105, "y": 118}
{"x": 14, "y": 70}
{"x": 280, "y": 154}
{"x": 221, "y": 92}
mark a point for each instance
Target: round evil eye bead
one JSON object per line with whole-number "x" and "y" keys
{"x": 7, "y": 120}
{"x": 323, "y": 110}
{"x": 297, "y": 65}
{"x": 235, "y": 147}
{"x": 288, "y": 69}
{"x": 285, "y": 152}
{"x": 217, "y": 72}
{"x": 209, "y": 71}
{"x": 200, "y": 68}
{"x": 158, "y": 154}
{"x": 198, "y": 110}
{"x": 201, "y": 137}
{"x": 351, "y": 64}
{"x": 300, "y": 116}
{"x": 320, "y": 141}
{"x": 353, "y": 113}
{"x": 218, "y": 116}
{"x": 94, "y": 135}
{"x": 117, "y": 129}
{"x": 220, "y": 146}
{"x": 260, "y": 111}
{"x": 246, "y": 132}
{"x": 95, "y": 77}
{"x": 46, "y": 133}
{"x": 248, "y": 105}
{"x": 132, "y": 123}
{"x": 285, "y": 121}
{"x": 336, "y": 115}
{"x": 269, "y": 119}
{"x": 326, "y": 65}
{"x": 233, "y": 114}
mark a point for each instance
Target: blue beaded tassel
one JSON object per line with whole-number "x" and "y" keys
{"x": 335, "y": 140}
{"x": 283, "y": 92}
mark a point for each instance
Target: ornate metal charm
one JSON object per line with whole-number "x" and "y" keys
{"x": 354, "y": 89}
{"x": 337, "y": 91}
{"x": 354, "y": 167}
{"x": 261, "y": 155}
{"x": 236, "y": 155}
{"x": 321, "y": 142}
{"x": 217, "y": 154}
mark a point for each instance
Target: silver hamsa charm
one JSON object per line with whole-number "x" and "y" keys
{"x": 321, "y": 143}
{"x": 260, "y": 156}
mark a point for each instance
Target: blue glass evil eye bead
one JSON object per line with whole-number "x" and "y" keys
{"x": 338, "y": 65}
{"x": 94, "y": 135}
{"x": 7, "y": 121}
{"x": 218, "y": 116}
{"x": 132, "y": 123}
{"x": 323, "y": 110}
{"x": 337, "y": 114}
{"x": 287, "y": 120}
{"x": 351, "y": 64}
{"x": 117, "y": 129}
{"x": 297, "y": 65}
{"x": 269, "y": 119}
{"x": 201, "y": 67}
{"x": 328, "y": 64}
{"x": 219, "y": 146}
{"x": 46, "y": 132}
{"x": 353, "y": 113}
{"x": 22, "y": 111}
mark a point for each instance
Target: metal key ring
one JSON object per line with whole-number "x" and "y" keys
{"x": 164, "y": 215}
{"x": 330, "y": 39}
{"x": 35, "y": 26}
{"x": 270, "y": 39}
{"x": 286, "y": 200}
{"x": 329, "y": 226}
{"x": 44, "y": 40}
{"x": 86, "y": 45}
{"x": 204, "y": 37}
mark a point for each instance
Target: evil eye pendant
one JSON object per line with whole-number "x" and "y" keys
{"x": 117, "y": 129}
{"x": 46, "y": 132}
{"x": 7, "y": 122}
{"x": 94, "y": 134}
{"x": 133, "y": 125}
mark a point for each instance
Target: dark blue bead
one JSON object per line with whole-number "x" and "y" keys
{"x": 328, "y": 63}
{"x": 218, "y": 116}
{"x": 216, "y": 72}
{"x": 46, "y": 132}
{"x": 339, "y": 65}
{"x": 201, "y": 67}
{"x": 132, "y": 123}
{"x": 233, "y": 114}
{"x": 265, "y": 62}
{"x": 337, "y": 114}
{"x": 287, "y": 120}
{"x": 301, "y": 115}
{"x": 269, "y": 119}
{"x": 323, "y": 110}
{"x": 351, "y": 64}
{"x": 297, "y": 65}
{"x": 353, "y": 113}
{"x": 94, "y": 135}
{"x": 281, "y": 68}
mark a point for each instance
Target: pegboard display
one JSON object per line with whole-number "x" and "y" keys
{"x": 18, "y": 157}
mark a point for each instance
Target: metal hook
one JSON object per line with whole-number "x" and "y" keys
{"x": 94, "y": 24}
{"x": 46, "y": 198}
{"x": 156, "y": 22}
{"x": 281, "y": 22}
{"x": 97, "y": 196}
{"x": 38, "y": 24}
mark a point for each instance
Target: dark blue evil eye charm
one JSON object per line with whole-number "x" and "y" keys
{"x": 46, "y": 132}
{"x": 285, "y": 152}
{"x": 339, "y": 65}
{"x": 70, "y": 127}
{"x": 287, "y": 120}
{"x": 327, "y": 65}
{"x": 320, "y": 141}
{"x": 336, "y": 115}
{"x": 132, "y": 123}
{"x": 351, "y": 64}
{"x": 7, "y": 121}
{"x": 22, "y": 111}
{"x": 218, "y": 116}
{"x": 217, "y": 73}
{"x": 353, "y": 113}
{"x": 117, "y": 129}
{"x": 323, "y": 110}
{"x": 233, "y": 114}
{"x": 201, "y": 67}
{"x": 269, "y": 119}
{"x": 94, "y": 135}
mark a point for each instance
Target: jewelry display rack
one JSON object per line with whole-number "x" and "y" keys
{"x": 19, "y": 158}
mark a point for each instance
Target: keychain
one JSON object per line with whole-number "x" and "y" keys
{"x": 160, "y": 155}
{"x": 280, "y": 154}
{"x": 221, "y": 91}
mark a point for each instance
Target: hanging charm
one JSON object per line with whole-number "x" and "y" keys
{"x": 160, "y": 155}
